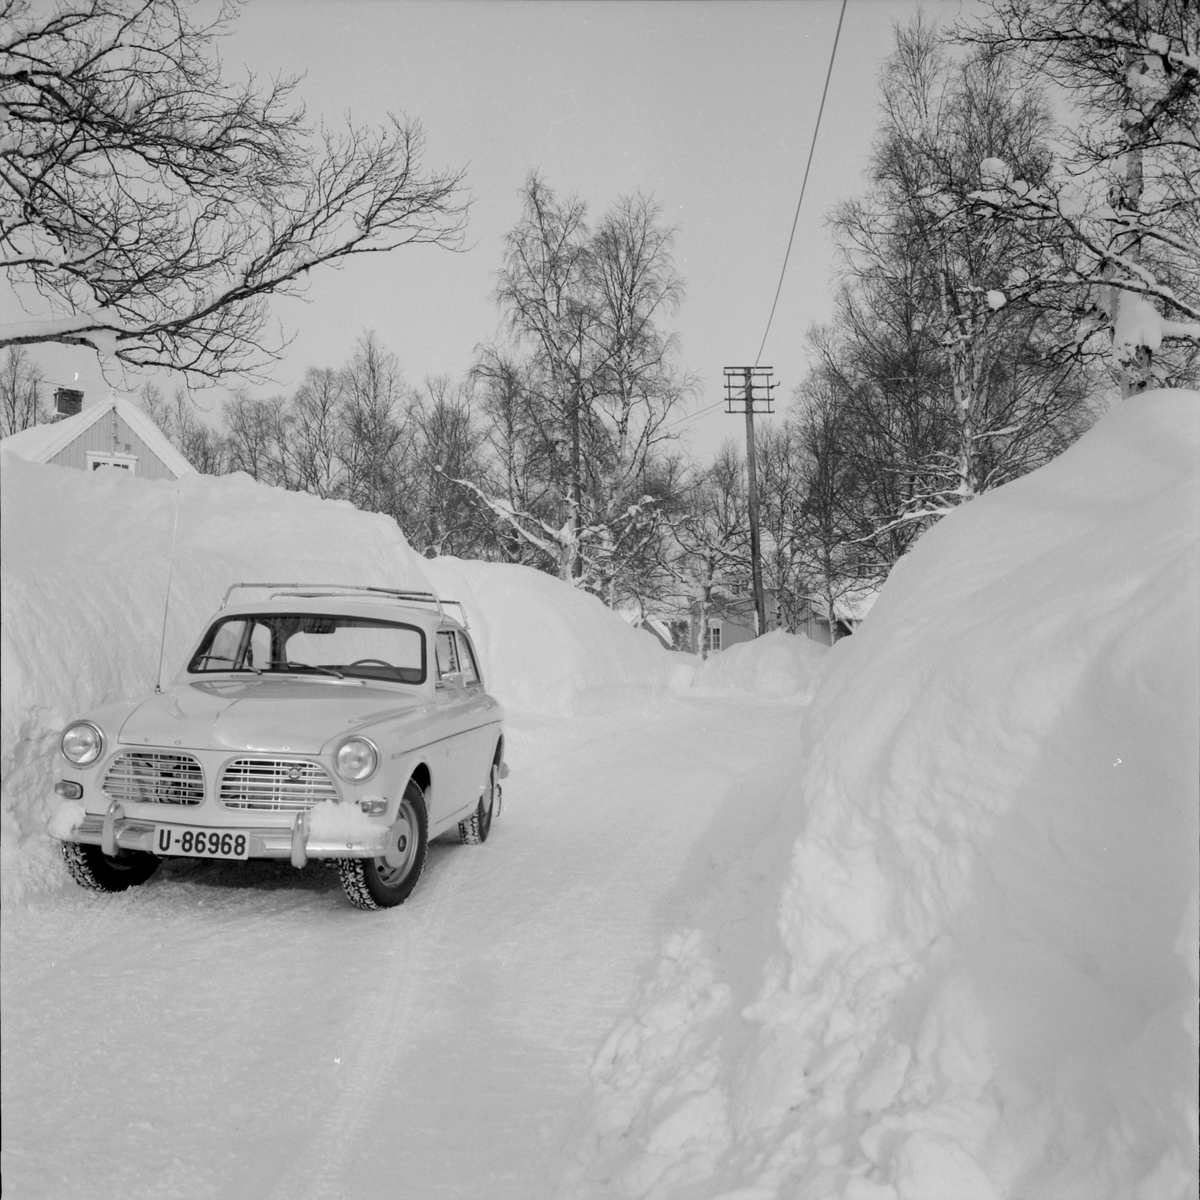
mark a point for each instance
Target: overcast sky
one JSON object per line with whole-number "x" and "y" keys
{"x": 708, "y": 106}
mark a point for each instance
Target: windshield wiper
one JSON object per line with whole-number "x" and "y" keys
{"x": 314, "y": 667}
{"x": 226, "y": 659}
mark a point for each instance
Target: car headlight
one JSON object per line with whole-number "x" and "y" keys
{"x": 81, "y": 743}
{"x": 356, "y": 760}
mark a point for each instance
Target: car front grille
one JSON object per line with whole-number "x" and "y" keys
{"x": 275, "y": 784}
{"x": 154, "y": 777}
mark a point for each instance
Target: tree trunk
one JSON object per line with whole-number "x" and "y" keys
{"x": 576, "y": 491}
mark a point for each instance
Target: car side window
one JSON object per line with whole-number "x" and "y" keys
{"x": 224, "y": 647}
{"x": 447, "y": 652}
{"x": 466, "y": 658}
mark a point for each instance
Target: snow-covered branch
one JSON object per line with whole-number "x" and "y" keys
{"x": 1099, "y": 231}
{"x": 550, "y": 541}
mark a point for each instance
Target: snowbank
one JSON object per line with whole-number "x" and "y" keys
{"x": 86, "y": 563}
{"x": 87, "y": 558}
{"x": 984, "y": 977}
{"x": 777, "y": 665}
{"x": 552, "y": 649}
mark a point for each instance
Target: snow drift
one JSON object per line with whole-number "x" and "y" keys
{"x": 777, "y": 665}
{"x": 983, "y": 980}
{"x": 550, "y": 648}
{"x": 87, "y": 560}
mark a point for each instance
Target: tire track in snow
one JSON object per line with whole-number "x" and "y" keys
{"x": 382, "y": 1034}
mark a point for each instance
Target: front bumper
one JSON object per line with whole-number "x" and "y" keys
{"x": 115, "y": 831}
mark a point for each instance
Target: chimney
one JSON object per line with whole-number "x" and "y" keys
{"x": 67, "y": 402}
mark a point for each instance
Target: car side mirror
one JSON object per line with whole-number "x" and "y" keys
{"x": 454, "y": 680}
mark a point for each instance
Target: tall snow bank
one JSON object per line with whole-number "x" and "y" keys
{"x": 779, "y": 665}
{"x": 551, "y": 649}
{"x": 985, "y": 983}
{"x": 87, "y": 557}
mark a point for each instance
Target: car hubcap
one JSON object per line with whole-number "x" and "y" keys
{"x": 394, "y": 866}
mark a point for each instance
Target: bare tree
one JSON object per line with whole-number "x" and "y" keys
{"x": 542, "y": 289}
{"x": 155, "y": 206}
{"x": 449, "y": 519}
{"x": 257, "y": 434}
{"x": 830, "y": 555}
{"x": 520, "y": 475}
{"x": 949, "y": 379}
{"x": 1123, "y": 205}
{"x": 199, "y": 442}
{"x": 314, "y": 453}
{"x": 781, "y": 463}
{"x": 583, "y": 394}
{"x": 379, "y": 438}
{"x": 991, "y": 352}
{"x": 713, "y": 539}
{"x": 20, "y": 384}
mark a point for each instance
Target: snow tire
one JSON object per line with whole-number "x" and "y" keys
{"x": 91, "y": 868}
{"x": 374, "y": 883}
{"x": 475, "y": 829}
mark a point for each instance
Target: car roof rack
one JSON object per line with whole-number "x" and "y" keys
{"x": 309, "y": 591}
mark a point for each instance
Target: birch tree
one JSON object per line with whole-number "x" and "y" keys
{"x": 585, "y": 388}
{"x": 713, "y": 538}
{"x": 448, "y": 518}
{"x": 993, "y": 353}
{"x": 949, "y": 380}
{"x": 199, "y": 442}
{"x": 20, "y": 388}
{"x": 831, "y": 554}
{"x": 1122, "y": 203}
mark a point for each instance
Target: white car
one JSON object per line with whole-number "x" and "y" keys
{"x": 321, "y": 722}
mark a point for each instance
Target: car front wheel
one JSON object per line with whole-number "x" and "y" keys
{"x": 91, "y": 868}
{"x": 389, "y": 880}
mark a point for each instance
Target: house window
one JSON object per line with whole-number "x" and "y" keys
{"x": 124, "y": 462}
{"x": 712, "y": 638}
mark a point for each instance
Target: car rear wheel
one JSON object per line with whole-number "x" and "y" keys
{"x": 91, "y": 868}
{"x": 475, "y": 829}
{"x": 389, "y": 880}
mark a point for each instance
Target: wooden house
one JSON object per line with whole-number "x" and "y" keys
{"x": 112, "y": 433}
{"x": 730, "y": 620}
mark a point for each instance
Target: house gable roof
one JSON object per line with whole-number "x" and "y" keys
{"x": 42, "y": 442}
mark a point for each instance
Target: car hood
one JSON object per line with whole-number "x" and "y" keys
{"x": 296, "y": 715}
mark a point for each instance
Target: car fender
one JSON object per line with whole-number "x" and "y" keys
{"x": 397, "y": 770}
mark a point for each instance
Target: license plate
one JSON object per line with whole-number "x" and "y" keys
{"x": 200, "y": 843}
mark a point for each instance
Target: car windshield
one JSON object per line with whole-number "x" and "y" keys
{"x": 313, "y": 644}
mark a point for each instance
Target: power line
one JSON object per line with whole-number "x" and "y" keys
{"x": 795, "y": 220}
{"x": 804, "y": 183}
{"x": 693, "y": 416}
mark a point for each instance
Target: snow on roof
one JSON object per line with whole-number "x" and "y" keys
{"x": 854, "y": 606}
{"x": 42, "y": 442}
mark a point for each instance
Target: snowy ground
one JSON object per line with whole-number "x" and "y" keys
{"x": 913, "y": 919}
{"x": 243, "y": 1031}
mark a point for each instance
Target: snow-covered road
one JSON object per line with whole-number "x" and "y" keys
{"x": 243, "y": 1032}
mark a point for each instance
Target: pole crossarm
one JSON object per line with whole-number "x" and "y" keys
{"x": 752, "y": 383}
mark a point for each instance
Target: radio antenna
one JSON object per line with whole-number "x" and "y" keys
{"x": 162, "y": 646}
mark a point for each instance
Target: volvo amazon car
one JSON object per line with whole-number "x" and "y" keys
{"x": 320, "y": 722}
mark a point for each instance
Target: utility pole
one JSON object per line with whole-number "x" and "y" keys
{"x": 746, "y": 380}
